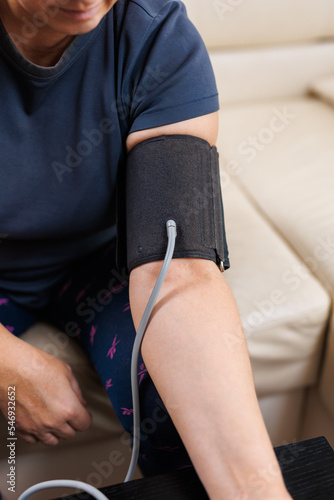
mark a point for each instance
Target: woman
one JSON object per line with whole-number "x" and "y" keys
{"x": 82, "y": 83}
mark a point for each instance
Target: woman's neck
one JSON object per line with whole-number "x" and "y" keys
{"x": 45, "y": 56}
{"x": 39, "y": 45}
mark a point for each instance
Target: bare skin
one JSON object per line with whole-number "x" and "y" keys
{"x": 43, "y": 29}
{"x": 195, "y": 319}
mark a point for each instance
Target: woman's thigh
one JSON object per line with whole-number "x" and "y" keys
{"x": 15, "y": 318}
{"x": 93, "y": 306}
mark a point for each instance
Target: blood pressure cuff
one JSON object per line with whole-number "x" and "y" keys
{"x": 174, "y": 177}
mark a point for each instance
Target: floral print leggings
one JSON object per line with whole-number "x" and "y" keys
{"x": 91, "y": 304}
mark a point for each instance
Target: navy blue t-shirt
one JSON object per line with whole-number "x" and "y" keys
{"x": 63, "y": 131}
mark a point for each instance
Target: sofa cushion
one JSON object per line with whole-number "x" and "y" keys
{"x": 284, "y": 323}
{"x": 239, "y": 23}
{"x": 282, "y": 154}
{"x": 324, "y": 89}
{"x": 267, "y": 73}
{"x": 284, "y": 150}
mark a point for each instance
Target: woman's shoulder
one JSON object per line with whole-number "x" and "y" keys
{"x": 138, "y": 20}
{"x": 152, "y": 8}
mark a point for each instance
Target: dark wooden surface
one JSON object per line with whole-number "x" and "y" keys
{"x": 307, "y": 466}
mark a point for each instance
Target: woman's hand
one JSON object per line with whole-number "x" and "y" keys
{"x": 48, "y": 402}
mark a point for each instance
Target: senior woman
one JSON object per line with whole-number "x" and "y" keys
{"x": 82, "y": 83}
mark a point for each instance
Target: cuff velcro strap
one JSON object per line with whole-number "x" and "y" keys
{"x": 174, "y": 177}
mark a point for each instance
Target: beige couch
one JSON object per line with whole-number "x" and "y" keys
{"x": 273, "y": 62}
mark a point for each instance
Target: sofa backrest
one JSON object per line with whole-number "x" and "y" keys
{"x": 246, "y": 23}
{"x": 263, "y": 49}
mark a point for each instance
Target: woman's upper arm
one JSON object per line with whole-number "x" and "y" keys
{"x": 205, "y": 127}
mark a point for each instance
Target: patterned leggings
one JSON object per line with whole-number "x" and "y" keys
{"x": 92, "y": 305}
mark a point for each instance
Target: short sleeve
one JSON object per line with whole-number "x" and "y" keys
{"x": 170, "y": 77}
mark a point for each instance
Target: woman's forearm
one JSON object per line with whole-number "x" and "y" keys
{"x": 195, "y": 351}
